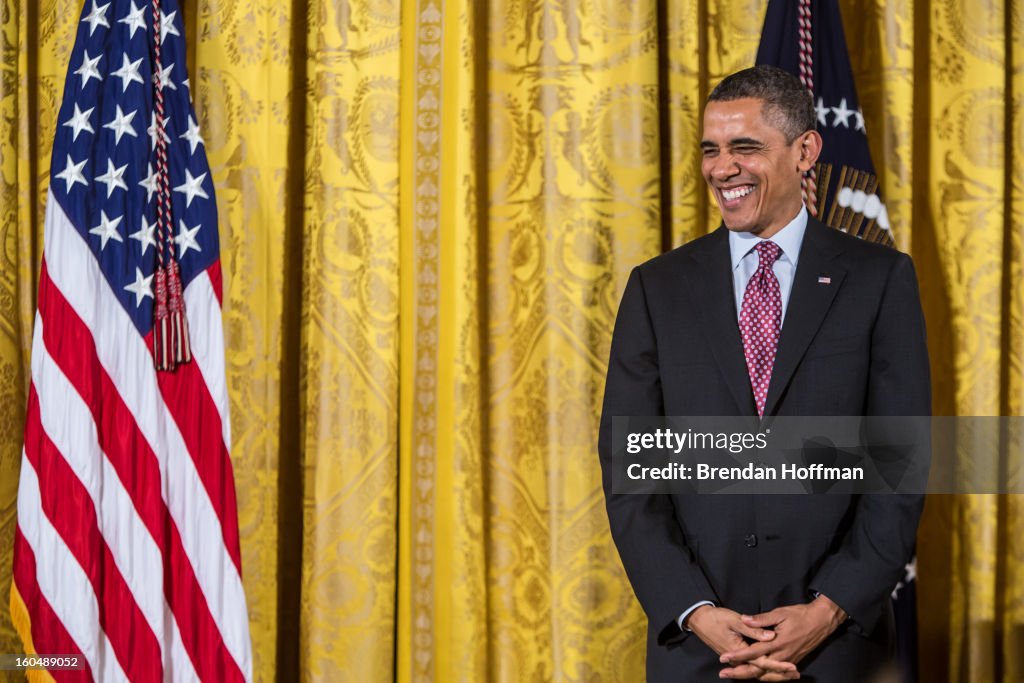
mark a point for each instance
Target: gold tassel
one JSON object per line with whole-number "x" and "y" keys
{"x": 831, "y": 222}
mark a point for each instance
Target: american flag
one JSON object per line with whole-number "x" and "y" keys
{"x": 127, "y": 548}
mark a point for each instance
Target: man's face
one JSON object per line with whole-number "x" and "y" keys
{"x": 751, "y": 170}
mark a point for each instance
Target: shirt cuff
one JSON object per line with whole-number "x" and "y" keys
{"x": 682, "y": 617}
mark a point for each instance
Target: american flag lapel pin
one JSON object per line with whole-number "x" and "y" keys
{"x": 824, "y": 280}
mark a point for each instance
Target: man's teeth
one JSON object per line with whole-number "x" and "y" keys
{"x": 737, "y": 193}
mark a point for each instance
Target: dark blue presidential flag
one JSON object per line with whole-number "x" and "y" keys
{"x": 805, "y": 37}
{"x": 904, "y": 602}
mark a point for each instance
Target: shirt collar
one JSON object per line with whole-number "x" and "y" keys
{"x": 789, "y": 240}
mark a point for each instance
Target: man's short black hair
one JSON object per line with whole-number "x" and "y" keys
{"x": 787, "y": 104}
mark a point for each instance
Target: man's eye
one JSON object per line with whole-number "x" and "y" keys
{"x": 708, "y": 152}
{"x": 745, "y": 150}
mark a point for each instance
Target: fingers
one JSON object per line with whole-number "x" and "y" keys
{"x": 765, "y": 619}
{"x": 791, "y": 676}
{"x": 763, "y": 669}
{"x": 754, "y": 633}
{"x": 747, "y": 654}
{"x": 722, "y": 631}
{"x": 744, "y": 672}
{"x": 747, "y": 672}
{"x": 775, "y": 666}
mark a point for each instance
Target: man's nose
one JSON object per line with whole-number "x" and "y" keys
{"x": 724, "y": 166}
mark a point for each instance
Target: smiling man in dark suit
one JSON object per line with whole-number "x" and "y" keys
{"x": 772, "y": 314}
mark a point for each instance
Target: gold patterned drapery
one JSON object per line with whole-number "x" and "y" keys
{"x": 428, "y": 209}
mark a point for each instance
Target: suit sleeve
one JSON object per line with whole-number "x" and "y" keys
{"x": 871, "y": 558}
{"x": 661, "y": 568}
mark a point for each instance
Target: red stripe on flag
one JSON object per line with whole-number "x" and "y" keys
{"x": 190, "y": 404}
{"x": 199, "y": 633}
{"x": 216, "y": 276}
{"x": 48, "y": 634}
{"x": 69, "y": 508}
{"x": 71, "y": 345}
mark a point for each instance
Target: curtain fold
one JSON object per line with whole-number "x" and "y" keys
{"x": 964, "y": 225}
{"x": 347, "y": 233}
{"x": 428, "y": 210}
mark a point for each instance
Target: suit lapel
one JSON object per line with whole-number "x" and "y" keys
{"x": 818, "y": 278}
{"x": 713, "y": 296}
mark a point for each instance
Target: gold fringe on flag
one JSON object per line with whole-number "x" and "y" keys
{"x": 23, "y": 626}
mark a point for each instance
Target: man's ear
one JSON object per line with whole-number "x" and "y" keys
{"x": 809, "y": 146}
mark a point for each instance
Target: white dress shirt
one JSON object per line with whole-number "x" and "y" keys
{"x": 745, "y": 259}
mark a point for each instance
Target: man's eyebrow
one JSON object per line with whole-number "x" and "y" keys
{"x": 735, "y": 142}
{"x": 745, "y": 142}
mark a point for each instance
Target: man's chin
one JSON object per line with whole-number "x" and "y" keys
{"x": 739, "y": 225}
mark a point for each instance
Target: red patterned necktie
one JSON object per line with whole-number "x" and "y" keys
{"x": 761, "y": 321}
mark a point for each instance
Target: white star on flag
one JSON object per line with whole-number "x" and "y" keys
{"x": 136, "y": 19}
{"x": 98, "y": 17}
{"x": 114, "y": 177}
{"x": 822, "y": 112}
{"x": 167, "y": 26}
{"x": 163, "y": 78}
{"x": 192, "y": 188}
{"x": 192, "y": 134}
{"x": 121, "y": 124}
{"x": 141, "y": 288}
{"x": 842, "y": 114}
{"x": 129, "y": 72}
{"x": 72, "y": 174}
{"x": 88, "y": 69}
{"x": 145, "y": 235}
{"x": 149, "y": 183}
{"x": 79, "y": 121}
{"x": 163, "y": 130}
{"x": 186, "y": 239}
{"x": 859, "y": 118}
{"x": 107, "y": 229}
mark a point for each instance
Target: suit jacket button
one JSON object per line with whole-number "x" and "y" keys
{"x": 750, "y": 540}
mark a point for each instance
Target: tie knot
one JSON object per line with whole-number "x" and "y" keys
{"x": 768, "y": 253}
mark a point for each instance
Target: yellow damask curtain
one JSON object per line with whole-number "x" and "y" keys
{"x": 428, "y": 210}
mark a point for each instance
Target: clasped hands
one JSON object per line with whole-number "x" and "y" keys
{"x": 782, "y": 637}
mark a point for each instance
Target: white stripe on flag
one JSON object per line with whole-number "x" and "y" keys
{"x": 177, "y": 669}
{"x": 208, "y": 348}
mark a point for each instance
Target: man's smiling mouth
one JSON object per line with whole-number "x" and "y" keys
{"x": 737, "y": 192}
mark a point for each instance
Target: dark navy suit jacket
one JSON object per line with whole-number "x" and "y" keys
{"x": 852, "y": 346}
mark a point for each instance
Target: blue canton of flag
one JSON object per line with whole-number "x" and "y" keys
{"x": 104, "y": 161}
